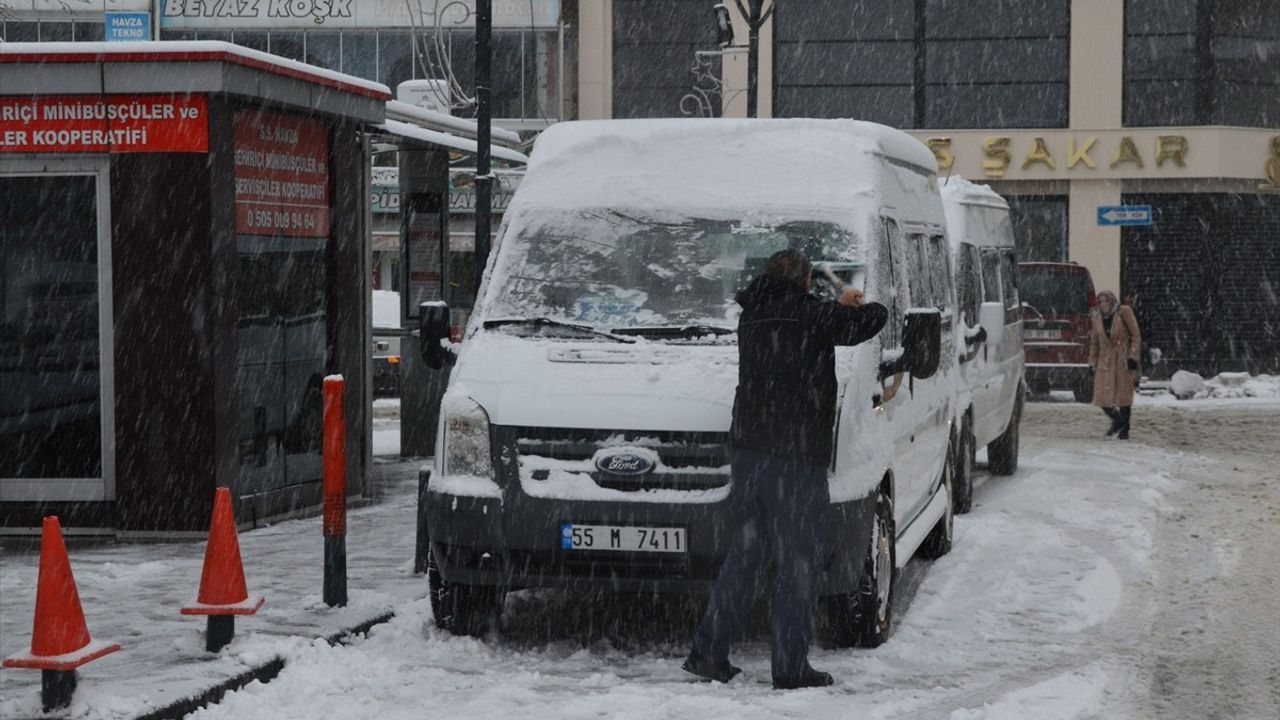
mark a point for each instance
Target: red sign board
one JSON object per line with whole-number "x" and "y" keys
{"x": 282, "y": 175}
{"x": 104, "y": 123}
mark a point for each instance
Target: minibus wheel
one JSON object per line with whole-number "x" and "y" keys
{"x": 942, "y": 536}
{"x": 462, "y": 609}
{"x": 862, "y": 618}
{"x": 1002, "y": 453}
{"x": 963, "y": 475}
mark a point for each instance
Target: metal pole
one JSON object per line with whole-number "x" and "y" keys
{"x": 56, "y": 688}
{"x": 484, "y": 180}
{"x": 753, "y": 57}
{"x": 334, "y": 449}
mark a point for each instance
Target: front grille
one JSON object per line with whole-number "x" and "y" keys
{"x": 685, "y": 458}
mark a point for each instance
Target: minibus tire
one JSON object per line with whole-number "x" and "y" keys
{"x": 461, "y": 609}
{"x": 963, "y": 475}
{"x": 855, "y": 619}
{"x": 1002, "y": 453}
{"x": 942, "y": 536}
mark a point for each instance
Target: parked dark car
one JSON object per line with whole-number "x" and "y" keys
{"x": 1057, "y": 299}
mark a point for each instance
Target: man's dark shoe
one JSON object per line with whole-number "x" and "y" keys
{"x": 809, "y": 678}
{"x": 704, "y": 667}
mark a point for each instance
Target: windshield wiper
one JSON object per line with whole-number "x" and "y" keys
{"x": 676, "y": 331}
{"x": 541, "y": 322}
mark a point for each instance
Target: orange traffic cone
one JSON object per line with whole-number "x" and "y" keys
{"x": 223, "y": 593}
{"x": 60, "y": 640}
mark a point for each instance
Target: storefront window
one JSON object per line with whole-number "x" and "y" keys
{"x": 653, "y": 46}
{"x": 360, "y": 53}
{"x": 1039, "y": 227}
{"x": 288, "y": 45}
{"x": 253, "y": 40}
{"x": 324, "y": 50}
{"x": 50, "y": 376}
{"x": 56, "y": 31}
{"x": 928, "y": 63}
{"x": 88, "y": 31}
{"x": 834, "y": 58}
{"x": 395, "y": 58}
{"x": 21, "y": 31}
{"x": 1201, "y": 62}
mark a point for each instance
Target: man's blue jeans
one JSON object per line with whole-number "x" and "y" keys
{"x": 781, "y": 507}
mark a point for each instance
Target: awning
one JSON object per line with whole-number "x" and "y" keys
{"x": 435, "y": 137}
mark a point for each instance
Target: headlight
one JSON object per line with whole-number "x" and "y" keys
{"x": 466, "y": 440}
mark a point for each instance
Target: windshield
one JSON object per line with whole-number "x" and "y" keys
{"x": 628, "y": 269}
{"x": 1053, "y": 292}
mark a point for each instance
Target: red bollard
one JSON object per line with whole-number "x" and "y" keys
{"x": 335, "y": 493}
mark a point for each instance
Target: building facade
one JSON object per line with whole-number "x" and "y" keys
{"x": 1065, "y": 107}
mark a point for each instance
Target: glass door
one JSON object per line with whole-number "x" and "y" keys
{"x": 280, "y": 360}
{"x": 54, "y": 337}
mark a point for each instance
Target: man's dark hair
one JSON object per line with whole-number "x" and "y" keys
{"x": 789, "y": 264}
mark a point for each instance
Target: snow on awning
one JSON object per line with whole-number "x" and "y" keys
{"x": 435, "y": 137}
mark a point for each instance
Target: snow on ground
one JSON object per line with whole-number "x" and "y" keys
{"x": 1106, "y": 579}
{"x": 131, "y": 594}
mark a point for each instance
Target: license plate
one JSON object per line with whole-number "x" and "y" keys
{"x": 1042, "y": 334}
{"x": 621, "y": 538}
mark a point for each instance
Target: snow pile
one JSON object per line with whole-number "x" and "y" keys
{"x": 1228, "y": 385}
{"x": 1184, "y": 385}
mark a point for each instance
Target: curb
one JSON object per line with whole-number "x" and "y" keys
{"x": 263, "y": 673}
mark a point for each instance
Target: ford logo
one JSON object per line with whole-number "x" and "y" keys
{"x": 623, "y": 463}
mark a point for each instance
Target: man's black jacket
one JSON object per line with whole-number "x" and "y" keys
{"x": 786, "y": 398}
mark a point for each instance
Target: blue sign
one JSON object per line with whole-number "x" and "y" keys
{"x": 1124, "y": 215}
{"x": 127, "y": 26}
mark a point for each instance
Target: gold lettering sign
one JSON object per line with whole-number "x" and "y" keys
{"x": 1272, "y": 167}
{"x": 1171, "y": 147}
{"x": 1079, "y": 155}
{"x": 941, "y": 147}
{"x": 1127, "y": 152}
{"x": 998, "y": 158}
{"x": 1038, "y": 153}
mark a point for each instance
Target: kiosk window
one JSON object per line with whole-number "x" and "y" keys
{"x": 50, "y": 380}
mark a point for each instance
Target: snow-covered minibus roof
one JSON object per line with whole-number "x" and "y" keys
{"x": 714, "y": 164}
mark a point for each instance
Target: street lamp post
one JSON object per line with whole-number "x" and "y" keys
{"x": 484, "y": 175}
{"x": 756, "y": 16}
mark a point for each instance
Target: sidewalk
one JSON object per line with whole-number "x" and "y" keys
{"x": 131, "y": 594}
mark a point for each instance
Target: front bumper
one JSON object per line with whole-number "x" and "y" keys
{"x": 1041, "y": 377}
{"x": 514, "y": 542}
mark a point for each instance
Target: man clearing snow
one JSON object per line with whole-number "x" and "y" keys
{"x": 781, "y": 446}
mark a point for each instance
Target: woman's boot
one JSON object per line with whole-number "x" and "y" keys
{"x": 1124, "y": 423}
{"x": 1116, "y": 421}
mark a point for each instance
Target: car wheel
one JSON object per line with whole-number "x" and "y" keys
{"x": 462, "y": 609}
{"x": 963, "y": 475}
{"x": 863, "y": 618}
{"x": 1083, "y": 390}
{"x": 942, "y": 536}
{"x": 1002, "y": 453}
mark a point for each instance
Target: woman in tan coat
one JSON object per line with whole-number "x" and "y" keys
{"x": 1113, "y": 358}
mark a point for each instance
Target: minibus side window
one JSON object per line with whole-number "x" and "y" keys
{"x": 890, "y": 288}
{"x": 1009, "y": 276}
{"x": 940, "y": 272}
{"x": 970, "y": 284}
{"x": 990, "y": 276}
{"x": 921, "y": 291}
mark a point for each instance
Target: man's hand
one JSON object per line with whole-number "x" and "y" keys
{"x": 851, "y": 297}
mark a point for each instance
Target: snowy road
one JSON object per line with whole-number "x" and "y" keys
{"x": 1104, "y": 580}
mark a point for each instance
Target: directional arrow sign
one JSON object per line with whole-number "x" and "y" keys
{"x": 1124, "y": 215}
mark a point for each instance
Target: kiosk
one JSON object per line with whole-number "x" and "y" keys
{"x": 183, "y": 259}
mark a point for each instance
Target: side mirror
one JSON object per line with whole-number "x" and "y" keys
{"x": 433, "y": 327}
{"x": 991, "y": 319}
{"x": 921, "y": 351}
